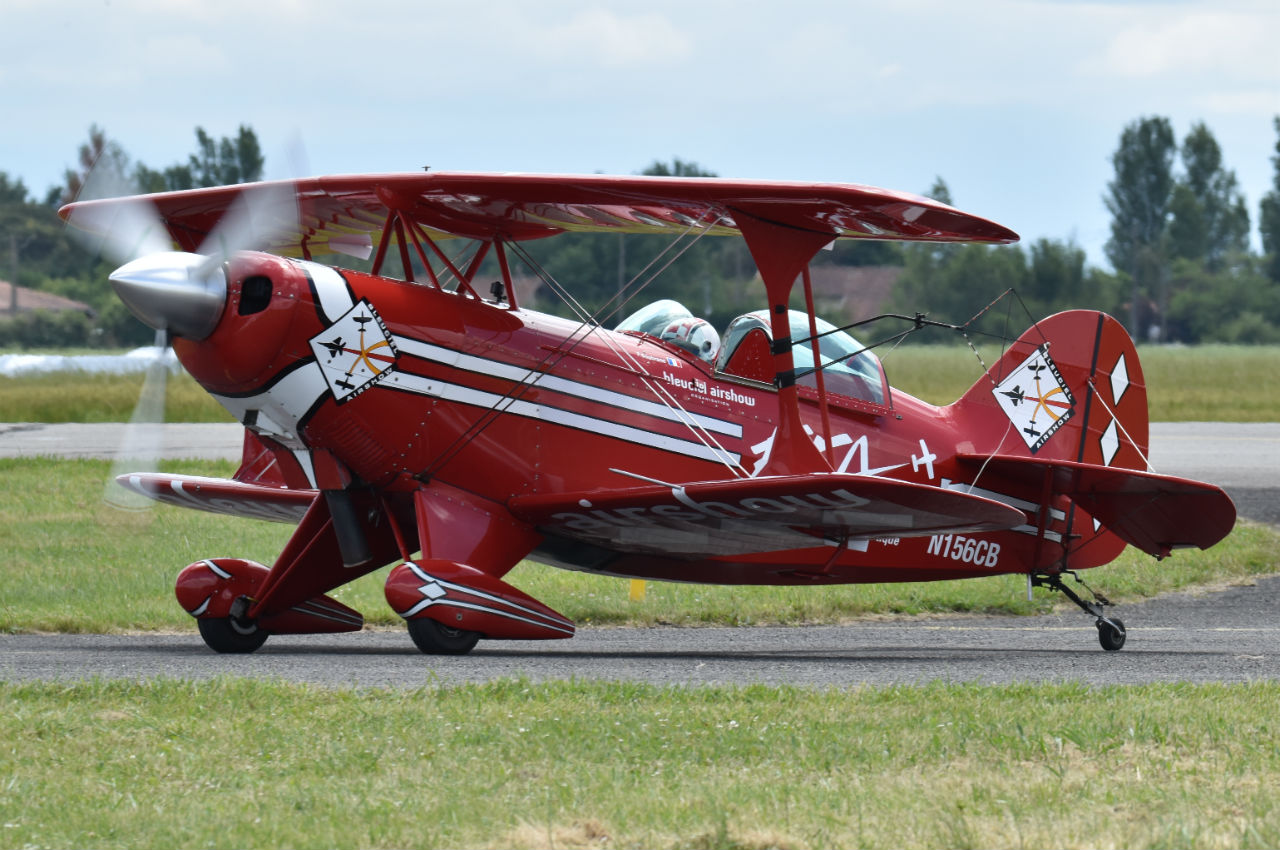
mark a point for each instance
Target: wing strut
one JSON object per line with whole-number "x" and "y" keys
{"x": 818, "y": 367}
{"x": 408, "y": 232}
{"x": 782, "y": 254}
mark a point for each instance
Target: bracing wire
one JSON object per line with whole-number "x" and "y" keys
{"x": 590, "y": 323}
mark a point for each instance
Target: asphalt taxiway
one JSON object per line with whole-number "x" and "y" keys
{"x": 1227, "y": 636}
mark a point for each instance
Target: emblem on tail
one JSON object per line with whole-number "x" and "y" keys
{"x": 1036, "y": 399}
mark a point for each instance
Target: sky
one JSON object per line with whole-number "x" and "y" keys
{"x": 1017, "y": 104}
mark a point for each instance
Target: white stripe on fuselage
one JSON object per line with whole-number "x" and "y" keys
{"x": 589, "y": 392}
{"x": 280, "y": 406}
{"x": 331, "y": 289}
{"x": 545, "y": 413}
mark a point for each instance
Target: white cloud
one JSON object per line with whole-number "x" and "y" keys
{"x": 1263, "y": 102}
{"x": 992, "y": 94}
{"x": 191, "y": 52}
{"x": 598, "y": 35}
{"x": 1173, "y": 41}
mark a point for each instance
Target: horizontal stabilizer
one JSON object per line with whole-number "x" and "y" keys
{"x": 221, "y": 496}
{"x": 744, "y": 515}
{"x": 1156, "y": 513}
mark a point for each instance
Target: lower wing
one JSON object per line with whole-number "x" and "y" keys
{"x": 739, "y": 516}
{"x": 222, "y": 496}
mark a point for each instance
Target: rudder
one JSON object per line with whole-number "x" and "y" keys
{"x": 1070, "y": 388}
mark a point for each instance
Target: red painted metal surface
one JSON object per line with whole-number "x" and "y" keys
{"x": 483, "y": 411}
{"x": 210, "y": 589}
{"x": 463, "y": 597}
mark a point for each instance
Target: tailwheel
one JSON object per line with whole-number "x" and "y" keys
{"x": 1111, "y": 633}
{"x": 231, "y": 635}
{"x": 435, "y": 638}
{"x": 1111, "y": 630}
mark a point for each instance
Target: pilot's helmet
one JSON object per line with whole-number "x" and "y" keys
{"x": 696, "y": 336}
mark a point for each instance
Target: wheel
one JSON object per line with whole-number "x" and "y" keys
{"x": 1111, "y": 636}
{"x": 438, "y": 639}
{"x": 224, "y": 634}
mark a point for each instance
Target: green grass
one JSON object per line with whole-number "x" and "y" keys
{"x": 1202, "y": 383}
{"x": 232, "y": 763}
{"x": 73, "y": 564}
{"x": 76, "y": 397}
{"x": 1215, "y": 383}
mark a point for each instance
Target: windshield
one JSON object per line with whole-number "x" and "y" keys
{"x": 848, "y": 369}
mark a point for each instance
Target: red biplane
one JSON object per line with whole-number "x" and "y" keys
{"x": 433, "y": 421}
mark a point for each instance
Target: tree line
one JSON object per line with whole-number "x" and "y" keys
{"x": 1183, "y": 270}
{"x": 38, "y": 252}
{"x": 1179, "y": 246}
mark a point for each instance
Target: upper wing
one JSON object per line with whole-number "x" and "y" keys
{"x": 1156, "y": 513}
{"x": 739, "y": 516}
{"x": 343, "y": 213}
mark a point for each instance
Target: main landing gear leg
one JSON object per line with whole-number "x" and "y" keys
{"x": 1111, "y": 632}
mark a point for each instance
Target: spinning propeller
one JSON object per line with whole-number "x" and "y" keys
{"x": 178, "y": 293}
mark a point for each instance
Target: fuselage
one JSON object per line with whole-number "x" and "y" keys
{"x": 401, "y": 386}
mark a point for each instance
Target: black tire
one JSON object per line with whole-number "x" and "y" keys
{"x": 222, "y": 634}
{"x": 1111, "y": 637}
{"x": 435, "y": 638}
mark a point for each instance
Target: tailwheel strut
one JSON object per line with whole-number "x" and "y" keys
{"x": 1111, "y": 631}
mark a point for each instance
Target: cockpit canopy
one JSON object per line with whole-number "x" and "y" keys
{"x": 673, "y": 323}
{"x": 652, "y": 318}
{"x": 848, "y": 368}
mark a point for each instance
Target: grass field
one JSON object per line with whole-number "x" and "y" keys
{"x": 1204, "y": 383}
{"x": 512, "y": 764}
{"x": 75, "y": 397}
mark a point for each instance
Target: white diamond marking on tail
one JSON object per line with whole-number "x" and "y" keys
{"x": 1109, "y": 443}
{"x": 1119, "y": 379}
{"x": 1036, "y": 399}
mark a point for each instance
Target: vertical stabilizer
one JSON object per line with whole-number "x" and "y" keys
{"x": 1071, "y": 388}
{"x": 1068, "y": 393}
